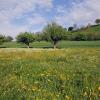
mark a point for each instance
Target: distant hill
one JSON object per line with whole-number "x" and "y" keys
{"x": 86, "y": 33}
{"x": 91, "y": 29}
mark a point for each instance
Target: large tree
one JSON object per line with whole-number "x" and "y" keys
{"x": 9, "y": 39}
{"x": 97, "y": 21}
{"x": 2, "y": 39}
{"x": 25, "y": 38}
{"x": 53, "y": 33}
{"x": 38, "y": 36}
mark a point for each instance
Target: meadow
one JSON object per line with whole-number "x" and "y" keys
{"x": 47, "y": 74}
{"x": 61, "y": 44}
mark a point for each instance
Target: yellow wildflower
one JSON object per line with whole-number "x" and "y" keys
{"x": 85, "y": 93}
{"x": 34, "y": 88}
{"x": 62, "y": 77}
{"x": 49, "y": 81}
{"x": 42, "y": 74}
{"x": 67, "y": 97}
{"x": 99, "y": 88}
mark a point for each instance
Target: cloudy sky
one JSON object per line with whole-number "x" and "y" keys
{"x": 32, "y": 15}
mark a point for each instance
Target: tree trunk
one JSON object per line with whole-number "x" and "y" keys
{"x": 28, "y": 46}
{"x": 54, "y": 46}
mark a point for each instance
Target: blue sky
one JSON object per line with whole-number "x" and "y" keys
{"x": 32, "y": 15}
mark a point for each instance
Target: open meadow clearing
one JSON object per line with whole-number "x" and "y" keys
{"x": 61, "y": 44}
{"x": 61, "y": 74}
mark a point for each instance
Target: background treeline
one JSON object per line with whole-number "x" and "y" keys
{"x": 54, "y": 32}
{"x": 89, "y": 33}
{"x": 5, "y": 38}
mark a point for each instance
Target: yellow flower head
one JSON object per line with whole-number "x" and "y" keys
{"x": 99, "y": 88}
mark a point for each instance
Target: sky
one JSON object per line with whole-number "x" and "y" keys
{"x": 32, "y": 15}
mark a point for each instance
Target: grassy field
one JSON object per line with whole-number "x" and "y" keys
{"x": 62, "y": 44}
{"x": 38, "y": 74}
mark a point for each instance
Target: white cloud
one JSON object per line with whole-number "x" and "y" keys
{"x": 36, "y": 20}
{"x": 61, "y": 9}
{"x": 14, "y": 9}
{"x": 8, "y": 29}
{"x": 82, "y": 12}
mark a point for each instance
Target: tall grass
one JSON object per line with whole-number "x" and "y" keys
{"x": 67, "y": 74}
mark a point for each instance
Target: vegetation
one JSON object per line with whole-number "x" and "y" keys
{"x": 25, "y": 38}
{"x": 9, "y": 39}
{"x": 67, "y": 74}
{"x": 38, "y": 36}
{"x": 53, "y": 33}
{"x": 70, "y": 28}
{"x": 90, "y": 33}
{"x": 5, "y": 39}
{"x": 2, "y": 39}
{"x": 61, "y": 44}
{"x": 48, "y": 74}
{"x": 97, "y": 21}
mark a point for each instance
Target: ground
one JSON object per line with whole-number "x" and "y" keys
{"x": 47, "y": 74}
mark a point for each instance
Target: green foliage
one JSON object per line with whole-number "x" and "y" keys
{"x": 53, "y": 33}
{"x": 2, "y": 39}
{"x": 9, "y": 38}
{"x": 38, "y": 36}
{"x": 97, "y": 21}
{"x": 85, "y": 34}
{"x": 70, "y": 28}
{"x": 90, "y": 33}
{"x": 25, "y": 38}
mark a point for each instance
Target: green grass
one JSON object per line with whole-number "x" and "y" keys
{"x": 42, "y": 44}
{"x": 62, "y": 44}
{"x": 68, "y": 44}
{"x": 92, "y": 29}
{"x": 95, "y": 29}
{"x": 65, "y": 74}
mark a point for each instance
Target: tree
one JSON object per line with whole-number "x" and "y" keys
{"x": 97, "y": 21}
{"x": 25, "y": 38}
{"x": 2, "y": 39}
{"x": 38, "y": 36}
{"x": 9, "y": 39}
{"x": 53, "y": 33}
{"x": 70, "y": 28}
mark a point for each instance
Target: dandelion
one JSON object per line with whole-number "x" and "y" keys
{"x": 67, "y": 97}
{"x": 62, "y": 77}
{"x": 36, "y": 82}
{"x": 39, "y": 90}
{"x": 99, "y": 88}
{"x": 42, "y": 74}
{"x": 49, "y": 80}
{"x": 85, "y": 93}
{"x": 34, "y": 88}
{"x": 57, "y": 95}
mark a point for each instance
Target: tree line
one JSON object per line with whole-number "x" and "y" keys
{"x": 54, "y": 32}
{"x": 5, "y": 39}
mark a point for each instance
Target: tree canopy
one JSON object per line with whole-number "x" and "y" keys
{"x": 53, "y": 33}
{"x": 97, "y": 21}
{"x": 9, "y": 38}
{"x": 2, "y": 39}
{"x": 25, "y": 38}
